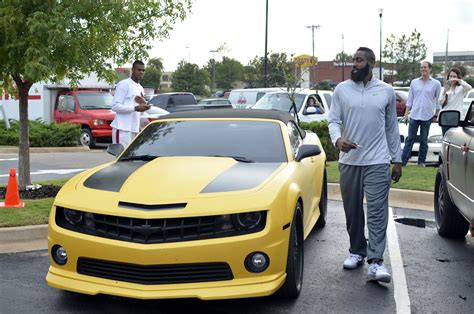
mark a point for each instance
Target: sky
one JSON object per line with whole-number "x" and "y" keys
{"x": 240, "y": 26}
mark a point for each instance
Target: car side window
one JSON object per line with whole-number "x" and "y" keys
{"x": 70, "y": 103}
{"x": 61, "y": 103}
{"x": 295, "y": 137}
{"x": 328, "y": 98}
{"x": 470, "y": 118}
{"x": 259, "y": 95}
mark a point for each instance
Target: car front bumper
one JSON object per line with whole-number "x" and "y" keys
{"x": 273, "y": 241}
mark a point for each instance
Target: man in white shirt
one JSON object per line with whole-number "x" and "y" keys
{"x": 128, "y": 103}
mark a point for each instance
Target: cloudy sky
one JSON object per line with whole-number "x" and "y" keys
{"x": 240, "y": 25}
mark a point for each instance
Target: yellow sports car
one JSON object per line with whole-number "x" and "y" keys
{"x": 210, "y": 204}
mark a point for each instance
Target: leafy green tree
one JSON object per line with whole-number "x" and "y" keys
{"x": 227, "y": 72}
{"x": 278, "y": 69}
{"x": 153, "y": 73}
{"x": 188, "y": 77}
{"x": 405, "y": 53}
{"x": 51, "y": 40}
{"x": 342, "y": 56}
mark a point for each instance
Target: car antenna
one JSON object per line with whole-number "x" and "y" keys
{"x": 293, "y": 108}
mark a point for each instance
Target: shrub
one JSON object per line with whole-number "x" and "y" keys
{"x": 41, "y": 134}
{"x": 322, "y": 130}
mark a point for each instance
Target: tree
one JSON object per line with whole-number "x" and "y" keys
{"x": 188, "y": 77}
{"x": 342, "y": 56}
{"x": 278, "y": 68}
{"x": 404, "y": 54}
{"x": 227, "y": 72}
{"x": 153, "y": 73}
{"x": 50, "y": 40}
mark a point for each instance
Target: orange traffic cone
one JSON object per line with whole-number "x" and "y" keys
{"x": 12, "y": 197}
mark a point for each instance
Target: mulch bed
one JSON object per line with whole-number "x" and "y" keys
{"x": 44, "y": 191}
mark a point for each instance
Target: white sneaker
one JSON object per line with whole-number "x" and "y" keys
{"x": 353, "y": 261}
{"x": 378, "y": 272}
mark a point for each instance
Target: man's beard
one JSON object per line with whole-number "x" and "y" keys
{"x": 360, "y": 74}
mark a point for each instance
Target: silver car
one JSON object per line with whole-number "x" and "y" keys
{"x": 454, "y": 185}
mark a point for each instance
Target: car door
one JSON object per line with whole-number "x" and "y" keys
{"x": 304, "y": 173}
{"x": 469, "y": 154}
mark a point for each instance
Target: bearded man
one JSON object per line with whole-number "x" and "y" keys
{"x": 363, "y": 126}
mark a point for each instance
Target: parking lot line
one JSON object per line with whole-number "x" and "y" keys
{"x": 402, "y": 299}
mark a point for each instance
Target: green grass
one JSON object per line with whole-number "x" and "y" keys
{"x": 413, "y": 177}
{"x": 36, "y": 212}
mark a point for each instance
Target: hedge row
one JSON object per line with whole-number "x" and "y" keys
{"x": 41, "y": 134}
{"x": 322, "y": 130}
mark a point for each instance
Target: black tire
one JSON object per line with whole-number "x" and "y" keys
{"x": 449, "y": 221}
{"x": 323, "y": 204}
{"x": 295, "y": 259}
{"x": 86, "y": 138}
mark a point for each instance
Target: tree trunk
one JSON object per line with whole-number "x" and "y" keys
{"x": 24, "y": 147}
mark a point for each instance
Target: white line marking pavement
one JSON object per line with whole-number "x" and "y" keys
{"x": 57, "y": 171}
{"x": 8, "y": 159}
{"x": 402, "y": 299}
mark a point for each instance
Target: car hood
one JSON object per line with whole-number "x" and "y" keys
{"x": 175, "y": 179}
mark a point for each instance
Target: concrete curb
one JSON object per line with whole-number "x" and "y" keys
{"x": 14, "y": 150}
{"x": 31, "y": 238}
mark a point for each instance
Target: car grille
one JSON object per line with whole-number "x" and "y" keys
{"x": 151, "y": 231}
{"x": 154, "y": 274}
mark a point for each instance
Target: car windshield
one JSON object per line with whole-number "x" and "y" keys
{"x": 255, "y": 141}
{"x": 95, "y": 100}
{"x": 279, "y": 101}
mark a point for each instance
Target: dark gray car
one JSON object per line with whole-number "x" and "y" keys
{"x": 454, "y": 185}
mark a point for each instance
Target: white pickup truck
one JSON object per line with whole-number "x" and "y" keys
{"x": 283, "y": 100}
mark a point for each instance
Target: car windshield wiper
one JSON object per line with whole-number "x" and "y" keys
{"x": 238, "y": 158}
{"x": 139, "y": 157}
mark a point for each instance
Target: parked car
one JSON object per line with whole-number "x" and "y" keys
{"x": 205, "y": 203}
{"x": 282, "y": 101}
{"x": 91, "y": 109}
{"x": 435, "y": 137}
{"x": 219, "y": 101}
{"x": 454, "y": 185}
{"x": 174, "y": 102}
{"x": 401, "y": 99}
{"x": 247, "y": 97}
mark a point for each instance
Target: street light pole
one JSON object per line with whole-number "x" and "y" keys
{"x": 380, "y": 59}
{"x": 265, "y": 65}
{"x": 343, "y": 58}
{"x": 213, "y": 84}
{"x": 189, "y": 54}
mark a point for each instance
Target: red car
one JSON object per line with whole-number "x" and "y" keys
{"x": 402, "y": 97}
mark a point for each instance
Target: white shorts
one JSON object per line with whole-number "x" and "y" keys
{"x": 122, "y": 137}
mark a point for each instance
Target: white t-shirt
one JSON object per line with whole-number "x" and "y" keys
{"x": 126, "y": 118}
{"x": 455, "y": 98}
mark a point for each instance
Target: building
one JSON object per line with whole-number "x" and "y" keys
{"x": 166, "y": 78}
{"x": 466, "y": 58}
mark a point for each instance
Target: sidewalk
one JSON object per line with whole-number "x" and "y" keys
{"x": 14, "y": 150}
{"x": 31, "y": 238}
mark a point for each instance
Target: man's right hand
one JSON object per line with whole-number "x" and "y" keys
{"x": 345, "y": 145}
{"x": 142, "y": 107}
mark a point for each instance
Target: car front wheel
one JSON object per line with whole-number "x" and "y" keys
{"x": 449, "y": 221}
{"x": 86, "y": 138}
{"x": 295, "y": 258}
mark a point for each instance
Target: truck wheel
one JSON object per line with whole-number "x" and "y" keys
{"x": 295, "y": 258}
{"x": 323, "y": 204}
{"x": 86, "y": 138}
{"x": 449, "y": 221}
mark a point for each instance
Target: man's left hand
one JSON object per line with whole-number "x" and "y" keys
{"x": 397, "y": 172}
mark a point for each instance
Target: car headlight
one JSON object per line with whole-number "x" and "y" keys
{"x": 98, "y": 122}
{"x": 72, "y": 216}
{"x": 435, "y": 139}
{"x": 242, "y": 221}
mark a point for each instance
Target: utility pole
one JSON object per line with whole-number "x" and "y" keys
{"x": 380, "y": 61}
{"x": 313, "y": 27}
{"x": 213, "y": 84}
{"x": 265, "y": 65}
{"x": 343, "y": 58}
{"x": 446, "y": 56}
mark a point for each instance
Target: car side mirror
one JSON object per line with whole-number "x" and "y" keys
{"x": 449, "y": 118}
{"x": 307, "y": 150}
{"x": 115, "y": 149}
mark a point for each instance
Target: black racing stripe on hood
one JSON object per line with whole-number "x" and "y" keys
{"x": 111, "y": 178}
{"x": 242, "y": 176}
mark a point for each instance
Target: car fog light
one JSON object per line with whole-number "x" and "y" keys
{"x": 257, "y": 262}
{"x": 74, "y": 217}
{"x": 59, "y": 254}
